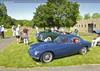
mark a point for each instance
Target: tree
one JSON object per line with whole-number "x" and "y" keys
{"x": 79, "y": 17}
{"x": 96, "y": 15}
{"x": 5, "y": 20}
{"x": 23, "y": 22}
{"x": 87, "y": 16}
{"x": 56, "y": 13}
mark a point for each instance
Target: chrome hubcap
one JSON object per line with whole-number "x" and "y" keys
{"x": 47, "y": 57}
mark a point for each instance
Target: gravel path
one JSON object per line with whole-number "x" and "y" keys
{"x": 67, "y": 68}
{"x": 5, "y": 42}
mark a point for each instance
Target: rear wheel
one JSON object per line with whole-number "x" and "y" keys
{"x": 46, "y": 57}
{"x": 83, "y": 51}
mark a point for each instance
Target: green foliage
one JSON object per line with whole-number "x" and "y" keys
{"x": 3, "y": 10}
{"x": 56, "y": 13}
{"x": 79, "y": 17}
{"x": 23, "y": 22}
{"x": 87, "y": 16}
{"x": 5, "y": 20}
{"x": 96, "y": 15}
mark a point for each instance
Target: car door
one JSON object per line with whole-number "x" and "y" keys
{"x": 68, "y": 47}
{"x": 75, "y": 45}
{"x": 63, "y": 48}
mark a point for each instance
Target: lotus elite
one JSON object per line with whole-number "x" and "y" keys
{"x": 62, "y": 46}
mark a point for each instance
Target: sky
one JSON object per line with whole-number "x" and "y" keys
{"x": 25, "y": 10}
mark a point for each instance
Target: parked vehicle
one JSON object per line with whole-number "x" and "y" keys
{"x": 63, "y": 45}
{"x": 47, "y": 35}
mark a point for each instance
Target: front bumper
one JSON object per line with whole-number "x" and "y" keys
{"x": 32, "y": 54}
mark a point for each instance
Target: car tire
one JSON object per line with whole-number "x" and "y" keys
{"x": 83, "y": 51}
{"x": 46, "y": 57}
{"x": 48, "y": 39}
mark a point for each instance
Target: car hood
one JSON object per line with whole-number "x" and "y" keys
{"x": 33, "y": 46}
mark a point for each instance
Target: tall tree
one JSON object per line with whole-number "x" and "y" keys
{"x": 4, "y": 18}
{"x": 56, "y": 13}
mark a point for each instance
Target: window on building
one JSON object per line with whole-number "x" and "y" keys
{"x": 82, "y": 25}
{"x": 85, "y": 26}
{"x": 94, "y": 25}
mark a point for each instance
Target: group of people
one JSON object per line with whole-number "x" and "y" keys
{"x": 20, "y": 34}
{"x": 2, "y": 31}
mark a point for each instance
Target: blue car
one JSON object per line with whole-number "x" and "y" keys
{"x": 63, "y": 45}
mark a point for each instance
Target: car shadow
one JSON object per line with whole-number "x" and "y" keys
{"x": 66, "y": 56}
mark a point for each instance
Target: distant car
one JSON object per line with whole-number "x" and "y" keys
{"x": 47, "y": 35}
{"x": 97, "y": 31}
{"x": 63, "y": 45}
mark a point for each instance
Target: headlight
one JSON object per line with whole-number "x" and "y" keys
{"x": 36, "y": 52}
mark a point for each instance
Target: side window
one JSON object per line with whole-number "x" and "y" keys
{"x": 75, "y": 40}
{"x": 64, "y": 40}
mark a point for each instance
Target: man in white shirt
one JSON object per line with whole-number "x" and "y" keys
{"x": 14, "y": 30}
{"x": 18, "y": 33}
{"x": 2, "y": 31}
{"x": 95, "y": 41}
{"x": 37, "y": 29}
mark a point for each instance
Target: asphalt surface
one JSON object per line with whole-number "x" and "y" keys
{"x": 5, "y": 42}
{"x": 67, "y": 68}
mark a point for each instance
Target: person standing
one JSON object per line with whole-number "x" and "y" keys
{"x": 25, "y": 35}
{"x": 95, "y": 41}
{"x": 18, "y": 34}
{"x": 37, "y": 29}
{"x": 14, "y": 30}
{"x": 2, "y": 32}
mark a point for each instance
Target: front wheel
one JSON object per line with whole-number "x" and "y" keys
{"x": 83, "y": 51}
{"x": 46, "y": 57}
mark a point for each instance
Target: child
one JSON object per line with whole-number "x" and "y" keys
{"x": 25, "y": 35}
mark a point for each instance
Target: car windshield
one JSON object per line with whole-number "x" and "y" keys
{"x": 59, "y": 39}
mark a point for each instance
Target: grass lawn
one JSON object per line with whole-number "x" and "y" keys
{"x": 16, "y": 55}
{"x": 8, "y": 33}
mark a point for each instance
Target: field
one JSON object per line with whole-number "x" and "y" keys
{"x": 16, "y": 55}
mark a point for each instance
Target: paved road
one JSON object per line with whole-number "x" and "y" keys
{"x": 5, "y": 42}
{"x": 67, "y": 68}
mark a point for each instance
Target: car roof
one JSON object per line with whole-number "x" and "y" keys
{"x": 97, "y": 31}
{"x": 69, "y": 35}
